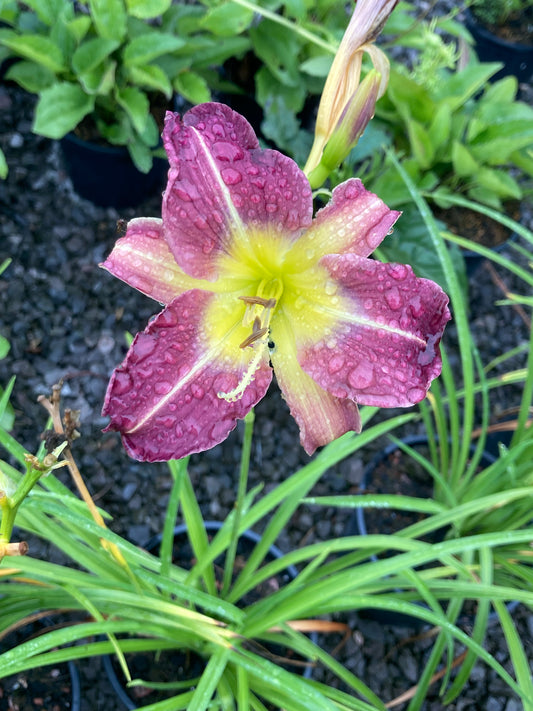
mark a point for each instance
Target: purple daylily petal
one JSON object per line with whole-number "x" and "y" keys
{"x": 384, "y": 350}
{"x": 221, "y": 183}
{"x": 164, "y": 400}
{"x": 321, "y": 416}
{"x": 143, "y": 260}
{"x": 355, "y": 220}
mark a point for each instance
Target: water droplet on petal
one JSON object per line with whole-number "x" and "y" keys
{"x": 393, "y": 298}
{"x": 335, "y": 364}
{"x": 231, "y": 176}
{"x": 361, "y": 376}
{"x": 162, "y": 387}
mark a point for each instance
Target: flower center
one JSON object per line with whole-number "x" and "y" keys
{"x": 257, "y": 315}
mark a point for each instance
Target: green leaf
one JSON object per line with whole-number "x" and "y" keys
{"x": 60, "y": 109}
{"x": 37, "y": 48}
{"x": 296, "y": 9}
{"x": 496, "y": 143}
{"x": 136, "y": 105}
{"x": 421, "y": 145}
{"x": 266, "y": 85}
{"x": 91, "y": 53}
{"x": 463, "y": 162}
{"x": 317, "y": 66}
{"x": 227, "y": 20}
{"x": 278, "y": 48}
{"x": 152, "y": 77}
{"x": 141, "y": 155}
{"x": 147, "y": 9}
{"x": 144, "y": 48}
{"x": 79, "y": 26}
{"x": 109, "y": 17}
{"x": 498, "y": 182}
{"x": 193, "y": 87}
{"x": 440, "y": 127}
{"x": 3, "y": 169}
{"x": 465, "y": 84}
{"x": 100, "y": 80}
{"x": 48, "y": 10}
{"x": 31, "y": 76}
{"x": 4, "y": 347}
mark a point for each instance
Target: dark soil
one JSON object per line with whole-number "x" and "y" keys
{"x": 66, "y": 319}
{"x": 477, "y": 227}
{"x": 51, "y": 688}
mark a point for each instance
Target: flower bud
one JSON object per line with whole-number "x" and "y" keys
{"x": 339, "y": 103}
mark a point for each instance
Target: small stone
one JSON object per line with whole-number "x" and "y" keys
{"x": 139, "y": 533}
{"x": 106, "y": 343}
{"x": 514, "y": 705}
{"x": 16, "y": 141}
{"x": 129, "y": 490}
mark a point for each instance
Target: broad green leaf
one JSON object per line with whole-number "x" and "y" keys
{"x": 278, "y": 48}
{"x": 136, "y": 105}
{"x": 48, "y": 10}
{"x": 420, "y": 144}
{"x": 500, "y": 92}
{"x": 151, "y": 77}
{"x": 147, "y": 9}
{"x": 193, "y": 87}
{"x": 464, "y": 84}
{"x": 440, "y": 127}
{"x": 79, "y": 27}
{"x": 266, "y": 85}
{"x": 146, "y": 47}
{"x": 141, "y": 155}
{"x": 408, "y": 98}
{"x": 499, "y": 182}
{"x": 317, "y": 66}
{"x": 282, "y": 127}
{"x": 463, "y": 162}
{"x": 109, "y": 18}
{"x": 37, "y": 48}
{"x": 31, "y": 76}
{"x": 60, "y": 109}
{"x": 227, "y": 20}
{"x": 221, "y": 49}
{"x": 3, "y": 175}
{"x": 100, "y": 80}
{"x": 496, "y": 143}
{"x": 91, "y": 53}
{"x": 296, "y": 8}
{"x": 61, "y": 35}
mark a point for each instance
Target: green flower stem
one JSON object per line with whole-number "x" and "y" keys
{"x": 239, "y": 503}
{"x": 280, "y": 20}
{"x": 9, "y": 506}
{"x": 178, "y": 470}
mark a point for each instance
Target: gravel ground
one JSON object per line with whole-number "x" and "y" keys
{"x": 66, "y": 318}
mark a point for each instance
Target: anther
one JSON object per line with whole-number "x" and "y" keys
{"x": 253, "y": 337}
{"x": 266, "y": 303}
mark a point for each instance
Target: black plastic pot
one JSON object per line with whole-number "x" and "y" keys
{"x": 249, "y": 537}
{"x": 517, "y": 58}
{"x": 107, "y": 176}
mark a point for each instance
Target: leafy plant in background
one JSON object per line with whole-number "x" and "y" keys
{"x": 109, "y": 66}
{"x": 498, "y": 12}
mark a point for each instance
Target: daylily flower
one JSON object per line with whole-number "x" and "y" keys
{"x": 346, "y": 106}
{"x": 251, "y": 282}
